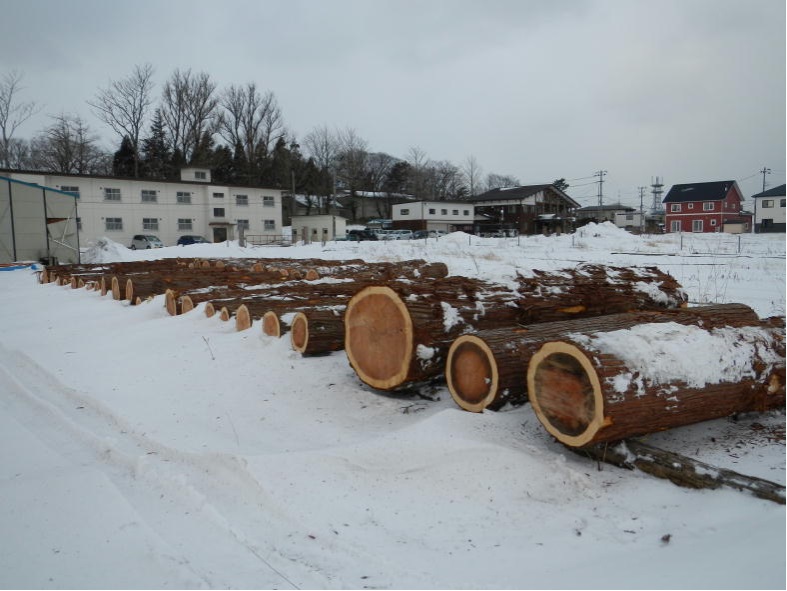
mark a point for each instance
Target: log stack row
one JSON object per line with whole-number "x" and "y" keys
{"x": 568, "y": 341}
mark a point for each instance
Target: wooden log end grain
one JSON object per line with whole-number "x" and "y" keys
{"x": 379, "y": 337}
{"x": 471, "y": 373}
{"x": 271, "y": 325}
{"x": 225, "y": 314}
{"x": 312, "y": 275}
{"x": 104, "y": 287}
{"x": 116, "y": 288}
{"x": 242, "y": 318}
{"x": 299, "y": 332}
{"x": 130, "y": 290}
{"x": 186, "y": 304}
{"x": 565, "y": 393}
{"x": 170, "y": 302}
{"x": 210, "y": 309}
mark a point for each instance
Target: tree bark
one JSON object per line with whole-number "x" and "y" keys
{"x": 583, "y": 393}
{"x": 679, "y": 469}
{"x": 401, "y": 332}
{"x": 487, "y": 369}
{"x": 316, "y": 331}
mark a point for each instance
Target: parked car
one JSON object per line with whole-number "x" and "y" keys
{"x": 358, "y": 235}
{"x": 429, "y": 234}
{"x": 146, "y": 241}
{"x": 401, "y": 234}
{"x": 190, "y": 239}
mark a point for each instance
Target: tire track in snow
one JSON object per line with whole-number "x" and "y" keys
{"x": 173, "y": 491}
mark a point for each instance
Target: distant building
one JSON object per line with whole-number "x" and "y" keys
{"x": 706, "y": 207}
{"x": 529, "y": 209}
{"x": 317, "y": 228}
{"x": 120, "y": 207}
{"x": 602, "y": 213}
{"x": 434, "y": 215}
{"x": 769, "y": 210}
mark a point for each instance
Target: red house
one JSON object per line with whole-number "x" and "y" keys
{"x": 706, "y": 207}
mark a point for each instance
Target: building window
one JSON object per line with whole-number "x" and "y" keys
{"x": 149, "y": 196}
{"x": 675, "y": 207}
{"x": 218, "y": 195}
{"x": 242, "y": 200}
{"x": 443, "y": 212}
{"x": 184, "y": 224}
{"x": 405, "y": 212}
{"x": 691, "y": 206}
{"x": 72, "y": 190}
{"x": 629, "y": 217}
{"x": 455, "y": 212}
{"x": 766, "y": 203}
{"x": 79, "y": 223}
{"x": 268, "y": 201}
{"x": 111, "y": 194}
{"x": 243, "y": 224}
{"x": 270, "y": 224}
{"x": 183, "y": 197}
{"x": 674, "y": 226}
{"x": 150, "y": 223}
{"x": 200, "y": 175}
{"x": 432, "y": 211}
{"x": 466, "y": 212}
{"x": 696, "y": 225}
{"x": 113, "y": 224}
{"x": 218, "y": 212}
{"x": 707, "y": 206}
{"x": 781, "y": 202}
{"x": 713, "y": 222}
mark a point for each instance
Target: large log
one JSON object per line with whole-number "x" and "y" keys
{"x": 609, "y": 385}
{"x": 316, "y": 331}
{"x": 487, "y": 369}
{"x": 679, "y": 469}
{"x": 401, "y": 332}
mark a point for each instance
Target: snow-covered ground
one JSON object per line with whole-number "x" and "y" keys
{"x": 141, "y": 450}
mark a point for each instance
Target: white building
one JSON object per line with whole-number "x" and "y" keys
{"x": 433, "y": 215}
{"x": 119, "y": 208}
{"x": 769, "y": 210}
{"x": 317, "y": 228}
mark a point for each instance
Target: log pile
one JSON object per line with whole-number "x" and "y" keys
{"x": 400, "y": 333}
{"x": 560, "y": 339}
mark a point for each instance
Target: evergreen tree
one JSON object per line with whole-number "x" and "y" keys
{"x": 156, "y": 155}
{"x": 124, "y": 160}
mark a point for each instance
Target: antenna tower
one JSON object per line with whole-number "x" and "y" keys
{"x": 657, "y": 189}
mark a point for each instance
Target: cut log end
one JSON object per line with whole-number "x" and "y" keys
{"x": 242, "y": 318}
{"x": 170, "y": 302}
{"x": 299, "y": 332}
{"x": 186, "y": 304}
{"x": 210, "y": 309}
{"x": 565, "y": 392}
{"x": 471, "y": 373}
{"x": 129, "y": 290}
{"x": 271, "y": 325}
{"x": 379, "y": 337}
{"x": 116, "y": 288}
{"x": 225, "y": 314}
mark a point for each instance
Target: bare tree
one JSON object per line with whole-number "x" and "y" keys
{"x": 322, "y": 146}
{"x": 125, "y": 106}
{"x": 497, "y": 181}
{"x": 67, "y": 146}
{"x": 250, "y": 121}
{"x": 189, "y": 108}
{"x": 419, "y": 182}
{"x": 352, "y": 159}
{"x": 12, "y": 113}
{"x": 472, "y": 170}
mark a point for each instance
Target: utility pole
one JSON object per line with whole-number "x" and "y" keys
{"x": 763, "y": 172}
{"x": 641, "y": 209}
{"x": 600, "y": 174}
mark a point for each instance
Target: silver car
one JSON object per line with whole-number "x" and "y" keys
{"x": 142, "y": 241}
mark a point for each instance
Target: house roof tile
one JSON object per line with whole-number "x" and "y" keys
{"x": 712, "y": 191}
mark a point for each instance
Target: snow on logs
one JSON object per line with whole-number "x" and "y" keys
{"x": 487, "y": 369}
{"x": 604, "y": 385}
{"x": 401, "y": 332}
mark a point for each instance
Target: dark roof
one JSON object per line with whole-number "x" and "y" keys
{"x": 517, "y": 193}
{"x": 610, "y": 207}
{"x": 775, "y": 192}
{"x": 713, "y": 191}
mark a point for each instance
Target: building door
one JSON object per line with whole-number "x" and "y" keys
{"x": 219, "y": 234}
{"x": 674, "y": 226}
{"x": 696, "y": 226}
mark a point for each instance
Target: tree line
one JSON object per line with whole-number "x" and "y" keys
{"x": 238, "y": 132}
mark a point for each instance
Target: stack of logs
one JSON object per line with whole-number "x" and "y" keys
{"x": 543, "y": 338}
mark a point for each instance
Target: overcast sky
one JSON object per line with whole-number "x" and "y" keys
{"x": 688, "y": 90}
